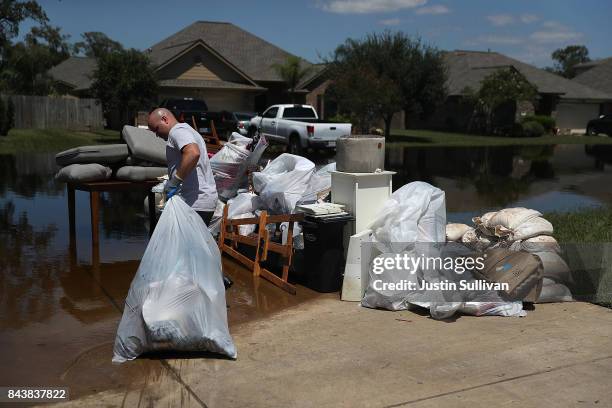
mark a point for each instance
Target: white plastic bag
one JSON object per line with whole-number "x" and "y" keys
{"x": 415, "y": 212}
{"x": 319, "y": 184}
{"x": 283, "y": 182}
{"x": 177, "y": 299}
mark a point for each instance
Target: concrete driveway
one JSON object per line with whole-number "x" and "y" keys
{"x": 325, "y": 352}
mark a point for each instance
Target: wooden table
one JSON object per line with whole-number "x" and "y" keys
{"x": 95, "y": 188}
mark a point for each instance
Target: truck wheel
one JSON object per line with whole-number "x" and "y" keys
{"x": 591, "y": 131}
{"x": 295, "y": 146}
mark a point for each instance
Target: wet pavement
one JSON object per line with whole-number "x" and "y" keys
{"x": 60, "y": 305}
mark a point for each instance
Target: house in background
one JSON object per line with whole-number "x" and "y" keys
{"x": 572, "y": 104}
{"x": 597, "y": 75}
{"x": 231, "y": 69}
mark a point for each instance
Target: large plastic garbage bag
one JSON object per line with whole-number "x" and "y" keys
{"x": 283, "y": 182}
{"x": 177, "y": 299}
{"x": 231, "y": 164}
{"x": 415, "y": 212}
{"x": 319, "y": 184}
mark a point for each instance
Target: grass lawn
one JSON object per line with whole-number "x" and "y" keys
{"x": 422, "y": 138}
{"x": 53, "y": 140}
{"x": 588, "y": 225}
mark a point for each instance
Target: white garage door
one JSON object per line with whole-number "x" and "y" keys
{"x": 576, "y": 115}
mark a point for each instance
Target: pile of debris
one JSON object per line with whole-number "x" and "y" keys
{"x": 515, "y": 247}
{"x": 142, "y": 157}
{"x": 284, "y": 183}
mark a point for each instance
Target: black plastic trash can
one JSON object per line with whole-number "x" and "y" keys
{"x": 323, "y": 252}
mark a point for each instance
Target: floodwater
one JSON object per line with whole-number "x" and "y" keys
{"x": 60, "y": 304}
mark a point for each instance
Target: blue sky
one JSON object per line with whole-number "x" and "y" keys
{"x": 527, "y": 30}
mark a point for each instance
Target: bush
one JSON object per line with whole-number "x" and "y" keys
{"x": 533, "y": 129}
{"x": 7, "y": 116}
{"x": 547, "y": 122}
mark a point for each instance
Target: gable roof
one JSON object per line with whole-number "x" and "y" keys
{"x": 599, "y": 76}
{"x": 250, "y": 54}
{"x": 75, "y": 72}
{"x": 469, "y": 68}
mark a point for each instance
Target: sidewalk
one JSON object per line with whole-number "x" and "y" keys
{"x": 331, "y": 353}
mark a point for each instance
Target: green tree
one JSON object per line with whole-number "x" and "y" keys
{"x": 12, "y": 13}
{"x": 567, "y": 58}
{"x": 27, "y": 63}
{"x": 375, "y": 77}
{"x": 501, "y": 87}
{"x": 292, "y": 73}
{"x": 124, "y": 81}
{"x": 96, "y": 44}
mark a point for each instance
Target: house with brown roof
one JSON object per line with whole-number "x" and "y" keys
{"x": 571, "y": 103}
{"x": 228, "y": 67}
{"x": 597, "y": 75}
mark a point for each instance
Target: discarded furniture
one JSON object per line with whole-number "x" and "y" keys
{"x": 261, "y": 241}
{"x": 95, "y": 188}
{"x": 213, "y": 142}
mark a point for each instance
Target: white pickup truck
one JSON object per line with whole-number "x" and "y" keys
{"x": 298, "y": 126}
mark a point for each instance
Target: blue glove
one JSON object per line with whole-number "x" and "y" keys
{"x": 173, "y": 186}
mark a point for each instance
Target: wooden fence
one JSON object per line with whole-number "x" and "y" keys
{"x": 44, "y": 112}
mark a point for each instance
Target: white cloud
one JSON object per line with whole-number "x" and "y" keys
{"x": 438, "y": 9}
{"x": 496, "y": 39}
{"x": 554, "y": 32}
{"x": 390, "y": 22}
{"x": 529, "y": 18}
{"x": 501, "y": 19}
{"x": 369, "y": 6}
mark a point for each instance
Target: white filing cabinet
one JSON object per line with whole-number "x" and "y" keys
{"x": 363, "y": 194}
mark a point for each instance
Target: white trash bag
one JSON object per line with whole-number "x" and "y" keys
{"x": 177, "y": 298}
{"x": 283, "y": 182}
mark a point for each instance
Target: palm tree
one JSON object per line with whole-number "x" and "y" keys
{"x": 292, "y": 73}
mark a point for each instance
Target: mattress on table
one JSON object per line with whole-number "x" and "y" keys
{"x": 83, "y": 173}
{"x": 144, "y": 145}
{"x": 137, "y": 173}
{"x": 102, "y": 154}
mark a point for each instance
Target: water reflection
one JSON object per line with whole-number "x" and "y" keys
{"x": 29, "y": 271}
{"x": 478, "y": 179}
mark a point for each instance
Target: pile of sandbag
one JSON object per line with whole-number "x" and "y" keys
{"x": 142, "y": 157}
{"x": 519, "y": 229}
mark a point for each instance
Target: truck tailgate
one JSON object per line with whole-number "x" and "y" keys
{"x": 329, "y": 132}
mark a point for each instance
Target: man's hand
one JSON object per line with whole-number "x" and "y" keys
{"x": 173, "y": 186}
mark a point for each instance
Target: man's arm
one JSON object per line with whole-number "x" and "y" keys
{"x": 190, "y": 154}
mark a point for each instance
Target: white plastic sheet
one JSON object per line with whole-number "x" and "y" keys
{"x": 177, "y": 298}
{"x": 283, "y": 182}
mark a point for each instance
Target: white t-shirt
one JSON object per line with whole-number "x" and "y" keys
{"x": 198, "y": 189}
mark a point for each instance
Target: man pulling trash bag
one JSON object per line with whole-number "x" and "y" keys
{"x": 177, "y": 298}
{"x": 189, "y": 171}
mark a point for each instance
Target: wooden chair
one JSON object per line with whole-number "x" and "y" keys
{"x": 212, "y": 140}
{"x": 263, "y": 244}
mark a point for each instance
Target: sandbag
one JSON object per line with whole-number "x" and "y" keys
{"x": 531, "y": 228}
{"x": 137, "y": 173}
{"x": 177, "y": 298}
{"x": 454, "y": 232}
{"x": 283, "y": 182}
{"x": 554, "y": 292}
{"x": 83, "y": 173}
{"x": 511, "y": 218}
{"x": 144, "y": 144}
{"x": 101, "y": 154}
{"x": 476, "y": 240}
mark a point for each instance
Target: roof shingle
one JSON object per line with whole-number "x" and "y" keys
{"x": 599, "y": 76}
{"x": 75, "y": 71}
{"x": 469, "y": 68}
{"x": 250, "y": 54}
